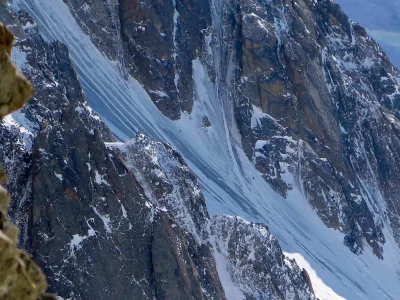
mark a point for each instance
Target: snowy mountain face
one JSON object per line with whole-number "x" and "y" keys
{"x": 382, "y": 21}
{"x": 279, "y": 112}
{"x": 120, "y": 221}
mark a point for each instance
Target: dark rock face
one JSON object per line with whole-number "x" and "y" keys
{"x": 255, "y": 260}
{"x": 168, "y": 181}
{"x": 247, "y": 252}
{"x": 73, "y": 175}
{"x": 313, "y": 97}
{"x": 106, "y": 222}
{"x": 20, "y": 277}
{"x": 154, "y": 41}
{"x": 162, "y": 38}
{"x": 183, "y": 269}
{"x": 56, "y": 84}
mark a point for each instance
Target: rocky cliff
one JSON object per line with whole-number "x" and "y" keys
{"x": 119, "y": 221}
{"x": 290, "y": 91}
{"x": 313, "y": 97}
{"x": 322, "y": 114}
{"x": 245, "y": 252}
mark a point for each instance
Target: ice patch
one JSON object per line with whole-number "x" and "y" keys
{"x": 160, "y": 94}
{"x": 77, "y": 240}
{"x": 59, "y": 176}
{"x": 106, "y": 220}
{"x": 100, "y": 179}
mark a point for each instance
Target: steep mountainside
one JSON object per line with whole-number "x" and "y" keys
{"x": 89, "y": 223}
{"x": 332, "y": 102}
{"x": 303, "y": 87}
{"x": 286, "y": 111}
{"x": 381, "y": 20}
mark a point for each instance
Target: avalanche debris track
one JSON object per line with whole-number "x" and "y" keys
{"x": 229, "y": 181}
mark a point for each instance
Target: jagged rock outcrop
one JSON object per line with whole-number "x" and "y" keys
{"x": 322, "y": 111}
{"x": 311, "y": 99}
{"x": 160, "y": 42}
{"x": 155, "y": 42}
{"x": 96, "y": 230}
{"x": 246, "y": 253}
{"x": 86, "y": 220}
{"x": 315, "y": 100}
{"x": 20, "y": 277}
{"x": 255, "y": 261}
{"x": 56, "y": 84}
{"x": 168, "y": 181}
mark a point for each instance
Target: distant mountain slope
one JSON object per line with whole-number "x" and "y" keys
{"x": 382, "y": 21}
{"x": 120, "y": 221}
{"x": 286, "y": 112}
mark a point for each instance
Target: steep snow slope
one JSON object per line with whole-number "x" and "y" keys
{"x": 229, "y": 181}
{"x": 381, "y": 18}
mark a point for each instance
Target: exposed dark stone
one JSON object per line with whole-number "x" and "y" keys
{"x": 305, "y": 65}
{"x": 316, "y": 103}
{"x": 206, "y": 122}
{"x": 97, "y": 231}
{"x": 318, "y": 78}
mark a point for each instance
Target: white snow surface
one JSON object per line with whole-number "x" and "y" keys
{"x": 106, "y": 220}
{"x": 322, "y": 291}
{"x": 229, "y": 181}
{"x": 26, "y": 131}
{"x": 19, "y": 57}
{"x": 77, "y": 240}
{"x": 232, "y": 292}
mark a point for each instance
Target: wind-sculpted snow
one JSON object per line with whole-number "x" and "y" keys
{"x": 81, "y": 212}
{"x": 228, "y": 179}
